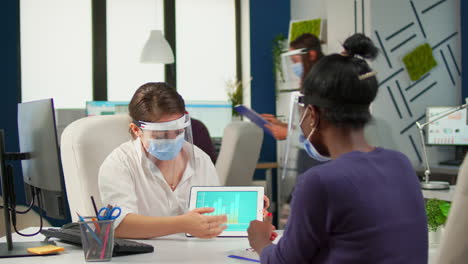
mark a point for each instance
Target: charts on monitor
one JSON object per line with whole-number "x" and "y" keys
{"x": 239, "y": 207}
{"x": 450, "y": 130}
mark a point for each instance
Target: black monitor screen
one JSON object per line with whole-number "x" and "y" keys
{"x": 38, "y": 136}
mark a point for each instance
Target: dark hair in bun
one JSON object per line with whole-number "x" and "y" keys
{"x": 359, "y": 44}
{"x": 336, "y": 79}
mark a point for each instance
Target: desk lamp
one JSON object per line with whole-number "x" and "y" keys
{"x": 434, "y": 185}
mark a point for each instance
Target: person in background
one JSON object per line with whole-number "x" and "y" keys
{"x": 363, "y": 206}
{"x": 301, "y": 66}
{"x": 202, "y": 139}
{"x": 150, "y": 176}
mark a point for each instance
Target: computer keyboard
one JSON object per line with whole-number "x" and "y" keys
{"x": 121, "y": 246}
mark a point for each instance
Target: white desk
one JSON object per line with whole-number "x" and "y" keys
{"x": 439, "y": 169}
{"x": 445, "y": 195}
{"x": 171, "y": 249}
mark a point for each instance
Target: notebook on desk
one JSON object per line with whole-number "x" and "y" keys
{"x": 122, "y": 247}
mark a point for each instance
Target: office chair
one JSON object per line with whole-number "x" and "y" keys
{"x": 453, "y": 248}
{"x": 239, "y": 153}
{"x": 85, "y": 144}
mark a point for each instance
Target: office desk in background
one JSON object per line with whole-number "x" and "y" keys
{"x": 170, "y": 249}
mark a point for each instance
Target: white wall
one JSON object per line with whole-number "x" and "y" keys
{"x": 56, "y": 51}
{"x": 345, "y": 17}
{"x": 245, "y": 47}
{"x": 206, "y": 48}
{"x": 438, "y": 23}
{"x": 307, "y": 9}
{"x": 128, "y": 27}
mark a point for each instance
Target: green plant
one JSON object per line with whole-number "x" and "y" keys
{"x": 419, "y": 61}
{"x": 305, "y": 26}
{"x": 437, "y": 213}
{"x": 278, "y": 47}
{"x": 235, "y": 93}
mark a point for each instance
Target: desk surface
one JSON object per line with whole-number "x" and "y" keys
{"x": 445, "y": 195}
{"x": 170, "y": 249}
{"x": 440, "y": 169}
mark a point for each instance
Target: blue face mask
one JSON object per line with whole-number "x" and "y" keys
{"x": 166, "y": 149}
{"x": 298, "y": 69}
{"x": 308, "y": 146}
{"x": 311, "y": 150}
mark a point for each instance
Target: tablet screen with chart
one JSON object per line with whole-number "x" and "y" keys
{"x": 240, "y": 205}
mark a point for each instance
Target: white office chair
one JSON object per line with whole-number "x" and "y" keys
{"x": 453, "y": 248}
{"x": 85, "y": 144}
{"x": 239, "y": 153}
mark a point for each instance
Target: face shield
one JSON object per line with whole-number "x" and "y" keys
{"x": 294, "y": 160}
{"x": 170, "y": 146}
{"x": 300, "y": 154}
{"x": 292, "y": 67}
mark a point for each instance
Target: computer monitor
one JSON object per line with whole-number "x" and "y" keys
{"x": 38, "y": 136}
{"x": 106, "y": 108}
{"x": 42, "y": 171}
{"x": 216, "y": 115}
{"x": 450, "y": 130}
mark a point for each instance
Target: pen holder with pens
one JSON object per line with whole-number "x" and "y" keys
{"x": 97, "y": 238}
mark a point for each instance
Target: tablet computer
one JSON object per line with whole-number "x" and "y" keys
{"x": 240, "y": 204}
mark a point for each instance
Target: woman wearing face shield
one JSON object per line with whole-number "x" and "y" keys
{"x": 302, "y": 64}
{"x": 150, "y": 176}
{"x": 364, "y": 205}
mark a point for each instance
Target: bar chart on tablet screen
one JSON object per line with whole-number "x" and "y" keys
{"x": 240, "y": 207}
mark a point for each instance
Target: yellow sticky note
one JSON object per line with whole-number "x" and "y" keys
{"x": 45, "y": 249}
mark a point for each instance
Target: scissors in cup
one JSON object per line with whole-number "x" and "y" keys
{"x": 109, "y": 213}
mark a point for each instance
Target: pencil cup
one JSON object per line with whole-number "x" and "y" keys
{"x": 97, "y": 238}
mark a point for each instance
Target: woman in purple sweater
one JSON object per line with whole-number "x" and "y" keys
{"x": 364, "y": 205}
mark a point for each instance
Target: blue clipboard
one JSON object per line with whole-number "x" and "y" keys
{"x": 253, "y": 116}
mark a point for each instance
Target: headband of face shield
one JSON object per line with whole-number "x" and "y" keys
{"x": 166, "y": 139}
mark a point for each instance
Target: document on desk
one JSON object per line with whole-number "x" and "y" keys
{"x": 253, "y": 116}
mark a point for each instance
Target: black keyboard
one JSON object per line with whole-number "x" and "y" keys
{"x": 121, "y": 246}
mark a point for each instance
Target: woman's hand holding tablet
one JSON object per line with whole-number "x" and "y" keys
{"x": 204, "y": 226}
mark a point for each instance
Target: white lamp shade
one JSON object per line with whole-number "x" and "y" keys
{"x": 157, "y": 49}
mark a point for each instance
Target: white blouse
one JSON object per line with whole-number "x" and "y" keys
{"x": 128, "y": 179}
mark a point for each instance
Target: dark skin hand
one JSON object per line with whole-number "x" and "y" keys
{"x": 261, "y": 234}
